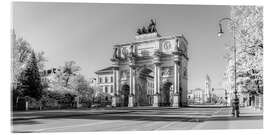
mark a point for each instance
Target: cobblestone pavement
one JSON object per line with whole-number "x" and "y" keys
{"x": 135, "y": 119}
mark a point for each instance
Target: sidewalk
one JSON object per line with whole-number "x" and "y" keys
{"x": 223, "y": 119}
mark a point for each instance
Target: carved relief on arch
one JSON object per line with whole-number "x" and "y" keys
{"x": 124, "y": 75}
{"x": 166, "y": 71}
{"x": 124, "y": 52}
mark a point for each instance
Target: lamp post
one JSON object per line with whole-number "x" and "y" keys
{"x": 235, "y": 109}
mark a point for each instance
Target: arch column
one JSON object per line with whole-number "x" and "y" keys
{"x": 176, "y": 95}
{"x": 132, "y": 84}
{"x": 156, "y": 86}
{"x": 116, "y": 86}
{"x": 156, "y": 96}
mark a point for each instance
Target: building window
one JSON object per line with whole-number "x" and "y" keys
{"x": 106, "y": 89}
{"x": 111, "y": 89}
{"x": 106, "y": 79}
{"x": 100, "y": 80}
{"x": 111, "y": 79}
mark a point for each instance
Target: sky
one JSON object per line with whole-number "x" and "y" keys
{"x": 86, "y": 33}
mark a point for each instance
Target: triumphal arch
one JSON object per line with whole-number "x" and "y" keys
{"x": 151, "y": 61}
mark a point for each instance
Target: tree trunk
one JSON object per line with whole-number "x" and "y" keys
{"x": 40, "y": 105}
{"x": 67, "y": 81}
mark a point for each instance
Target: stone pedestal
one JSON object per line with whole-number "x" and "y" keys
{"x": 78, "y": 105}
{"x": 115, "y": 101}
{"x": 26, "y": 106}
{"x": 176, "y": 100}
{"x": 131, "y": 100}
{"x": 77, "y": 100}
{"x": 156, "y": 100}
{"x": 147, "y": 36}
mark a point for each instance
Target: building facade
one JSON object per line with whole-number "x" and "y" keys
{"x": 104, "y": 80}
{"x": 196, "y": 96}
{"x": 218, "y": 96}
{"x": 152, "y": 70}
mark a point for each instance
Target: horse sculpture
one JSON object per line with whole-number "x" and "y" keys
{"x": 150, "y": 29}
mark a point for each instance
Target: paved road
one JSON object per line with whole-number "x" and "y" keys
{"x": 135, "y": 119}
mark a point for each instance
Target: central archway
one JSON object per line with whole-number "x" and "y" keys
{"x": 145, "y": 86}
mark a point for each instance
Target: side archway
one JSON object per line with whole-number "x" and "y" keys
{"x": 166, "y": 94}
{"x": 125, "y": 94}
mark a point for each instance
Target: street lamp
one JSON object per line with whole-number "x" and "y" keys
{"x": 220, "y": 33}
{"x": 235, "y": 109}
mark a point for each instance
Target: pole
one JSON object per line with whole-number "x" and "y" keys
{"x": 236, "y": 100}
{"x": 235, "y": 109}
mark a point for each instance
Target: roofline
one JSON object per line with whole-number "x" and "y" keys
{"x": 104, "y": 72}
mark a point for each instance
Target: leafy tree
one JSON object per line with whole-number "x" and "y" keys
{"x": 41, "y": 60}
{"x": 20, "y": 53}
{"x": 21, "y": 50}
{"x": 57, "y": 83}
{"x": 249, "y": 42}
{"x": 62, "y": 84}
{"x": 29, "y": 80}
{"x": 69, "y": 70}
{"x": 62, "y": 80}
{"x": 83, "y": 89}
